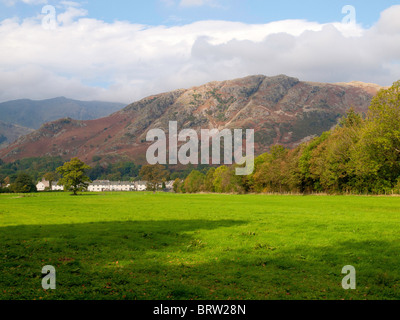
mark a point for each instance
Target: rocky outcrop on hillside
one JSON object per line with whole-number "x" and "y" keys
{"x": 281, "y": 109}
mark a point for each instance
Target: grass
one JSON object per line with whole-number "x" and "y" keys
{"x": 170, "y": 246}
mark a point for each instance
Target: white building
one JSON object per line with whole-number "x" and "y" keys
{"x": 169, "y": 185}
{"x": 44, "y": 184}
{"x": 99, "y": 186}
{"x": 56, "y": 187}
{"x": 106, "y": 185}
{"x": 141, "y": 185}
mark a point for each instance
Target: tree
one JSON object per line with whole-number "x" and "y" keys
{"x": 154, "y": 175}
{"x": 269, "y": 176}
{"x": 74, "y": 176}
{"x": 226, "y": 180}
{"x": 24, "y": 184}
{"x": 50, "y": 177}
{"x": 209, "y": 181}
{"x": 332, "y": 161}
{"x": 309, "y": 182}
{"x": 194, "y": 182}
{"x": 177, "y": 185}
{"x": 378, "y": 152}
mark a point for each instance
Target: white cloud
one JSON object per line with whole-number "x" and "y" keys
{"x": 81, "y": 55}
{"x": 70, "y": 15}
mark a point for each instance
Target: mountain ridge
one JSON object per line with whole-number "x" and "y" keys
{"x": 22, "y": 116}
{"x": 10, "y": 132}
{"x": 33, "y": 113}
{"x": 280, "y": 109}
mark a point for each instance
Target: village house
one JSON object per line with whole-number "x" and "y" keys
{"x": 169, "y": 185}
{"x": 141, "y": 185}
{"x": 45, "y": 185}
{"x": 106, "y": 185}
{"x": 42, "y": 185}
{"x": 56, "y": 187}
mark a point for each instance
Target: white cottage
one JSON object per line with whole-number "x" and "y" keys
{"x": 122, "y": 186}
{"x": 106, "y": 185}
{"x": 99, "y": 186}
{"x": 44, "y": 184}
{"x": 169, "y": 185}
{"x": 141, "y": 185}
{"x": 56, "y": 187}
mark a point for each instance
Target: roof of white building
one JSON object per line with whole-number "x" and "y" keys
{"x": 110, "y": 183}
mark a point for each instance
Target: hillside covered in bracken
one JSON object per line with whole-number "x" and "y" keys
{"x": 281, "y": 109}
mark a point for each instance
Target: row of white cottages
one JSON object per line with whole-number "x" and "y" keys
{"x": 104, "y": 185}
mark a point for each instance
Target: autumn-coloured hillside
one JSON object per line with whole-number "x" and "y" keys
{"x": 281, "y": 109}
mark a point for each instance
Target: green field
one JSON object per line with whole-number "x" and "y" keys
{"x": 170, "y": 246}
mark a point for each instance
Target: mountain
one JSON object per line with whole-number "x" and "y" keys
{"x": 281, "y": 109}
{"x": 32, "y": 114}
{"x": 10, "y": 132}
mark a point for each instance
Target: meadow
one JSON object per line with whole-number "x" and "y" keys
{"x": 166, "y": 246}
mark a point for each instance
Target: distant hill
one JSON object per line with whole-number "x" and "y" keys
{"x": 32, "y": 114}
{"x": 11, "y": 132}
{"x": 281, "y": 110}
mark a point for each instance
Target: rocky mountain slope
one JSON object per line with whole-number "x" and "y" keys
{"x": 281, "y": 109}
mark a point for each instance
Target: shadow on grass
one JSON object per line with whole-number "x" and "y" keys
{"x": 88, "y": 253}
{"x": 141, "y": 235}
{"x": 167, "y": 260}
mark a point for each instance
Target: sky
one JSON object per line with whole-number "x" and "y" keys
{"x": 123, "y": 51}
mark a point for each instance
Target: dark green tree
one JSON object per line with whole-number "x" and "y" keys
{"x": 378, "y": 153}
{"x": 24, "y": 184}
{"x": 74, "y": 176}
{"x": 2, "y": 182}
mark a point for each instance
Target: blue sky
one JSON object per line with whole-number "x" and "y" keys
{"x": 249, "y": 11}
{"x": 126, "y": 50}
{"x": 170, "y": 12}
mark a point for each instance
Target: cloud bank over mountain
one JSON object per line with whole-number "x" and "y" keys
{"x": 90, "y": 59}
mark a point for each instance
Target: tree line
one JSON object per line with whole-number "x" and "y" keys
{"x": 361, "y": 155}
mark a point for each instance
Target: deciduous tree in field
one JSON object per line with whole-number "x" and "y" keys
{"x": 194, "y": 182}
{"x": 23, "y": 184}
{"x": 154, "y": 175}
{"x": 332, "y": 161}
{"x": 74, "y": 176}
{"x": 177, "y": 185}
{"x": 226, "y": 181}
{"x": 208, "y": 182}
{"x": 378, "y": 151}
